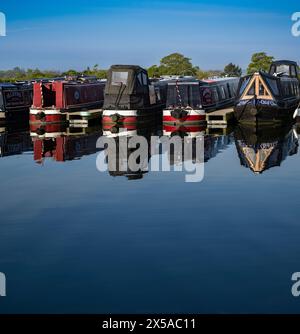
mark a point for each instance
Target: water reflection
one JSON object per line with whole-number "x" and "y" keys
{"x": 14, "y": 140}
{"x": 63, "y": 143}
{"x": 261, "y": 148}
{"x": 119, "y": 165}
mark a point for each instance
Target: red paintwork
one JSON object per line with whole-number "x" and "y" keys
{"x": 193, "y": 118}
{"x": 48, "y": 128}
{"x": 56, "y": 118}
{"x": 65, "y": 95}
{"x": 122, "y": 120}
{"x": 46, "y": 148}
{"x": 108, "y": 127}
{"x": 169, "y": 128}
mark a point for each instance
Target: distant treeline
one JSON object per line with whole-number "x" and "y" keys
{"x": 173, "y": 64}
{"x": 19, "y": 74}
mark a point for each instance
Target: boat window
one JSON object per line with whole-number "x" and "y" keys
{"x": 244, "y": 84}
{"x": 273, "y": 70}
{"x": 262, "y": 90}
{"x": 251, "y": 90}
{"x": 293, "y": 71}
{"x": 223, "y": 93}
{"x": 140, "y": 79}
{"x": 285, "y": 69}
{"x": 207, "y": 96}
{"x": 119, "y": 78}
{"x": 229, "y": 91}
{"x": 286, "y": 88}
{"x": 273, "y": 85}
{"x": 145, "y": 79}
{"x": 215, "y": 95}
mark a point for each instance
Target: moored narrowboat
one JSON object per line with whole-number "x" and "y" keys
{"x": 130, "y": 97}
{"x": 269, "y": 97}
{"x": 183, "y": 102}
{"x": 53, "y": 99}
{"x": 15, "y": 101}
{"x": 189, "y": 99}
{"x": 218, "y": 93}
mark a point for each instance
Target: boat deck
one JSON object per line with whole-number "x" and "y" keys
{"x": 220, "y": 118}
{"x": 83, "y": 117}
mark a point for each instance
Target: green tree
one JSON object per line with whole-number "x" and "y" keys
{"x": 260, "y": 62}
{"x": 232, "y": 70}
{"x": 71, "y": 73}
{"x": 154, "y": 71}
{"x": 202, "y": 74}
{"x": 177, "y": 64}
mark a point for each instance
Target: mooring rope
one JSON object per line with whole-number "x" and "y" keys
{"x": 178, "y": 94}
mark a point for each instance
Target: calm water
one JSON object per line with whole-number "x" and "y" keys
{"x": 73, "y": 239}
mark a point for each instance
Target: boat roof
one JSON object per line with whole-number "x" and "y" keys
{"x": 286, "y": 62}
{"x": 7, "y": 85}
{"x": 180, "y": 81}
{"x": 127, "y": 67}
{"x": 216, "y": 80}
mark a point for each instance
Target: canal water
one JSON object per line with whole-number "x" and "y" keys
{"x": 76, "y": 240}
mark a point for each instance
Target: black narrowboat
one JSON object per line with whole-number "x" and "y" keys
{"x": 183, "y": 102}
{"x": 218, "y": 93}
{"x": 269, "y": 97}
{"x": 15, "y": 101}
{"x": 189, "y": 99}
{"x": 130, "y": 97}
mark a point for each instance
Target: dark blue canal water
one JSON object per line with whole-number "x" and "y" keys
{"x": 74, "y": 240}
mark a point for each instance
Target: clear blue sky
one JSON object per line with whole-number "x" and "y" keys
{"x": 78, "y": 33}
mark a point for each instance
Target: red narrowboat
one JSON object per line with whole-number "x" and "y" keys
{"x": 52, "y": 100}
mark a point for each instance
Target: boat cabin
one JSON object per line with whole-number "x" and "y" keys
{"x": 71, "y": 94}
{"x": 15, "y": 99}
{"x": 218, "y": 93}
{"x": 128, "y": 87}
{"x": 197, "y": 94}
{"x": 284, "y": 68}
{"x": 183, "y": 93}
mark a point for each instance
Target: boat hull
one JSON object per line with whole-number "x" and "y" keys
{"x": 184, "y": 117}
{"x": 130, "y": 117}
{"x": 253, "y": 111}
{"x": 47, "y": 116}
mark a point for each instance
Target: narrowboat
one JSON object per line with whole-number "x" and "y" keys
{"x": 189, "y": 99}
{"x": 131, "y": 98}
{"x": 269, "y": 97}
{"x": 263, "y": 147}
{"x": 218, "y": 93}
{"x": 53, "y": 99}
{"x": 183, "y": 102}
{"x": 15, "y": 101}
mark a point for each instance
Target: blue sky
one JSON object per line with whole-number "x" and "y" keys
{"x": 79, "y": 33}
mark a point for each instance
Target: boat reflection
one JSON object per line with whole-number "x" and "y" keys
{"x": 265, "y": 147}
{"x": 63, "y": 143}
{"x": 189, "y": 136}
{"x": 214, "y": 141}
{"x": 117, "y": 157}
{"x": 14, "y": 140}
